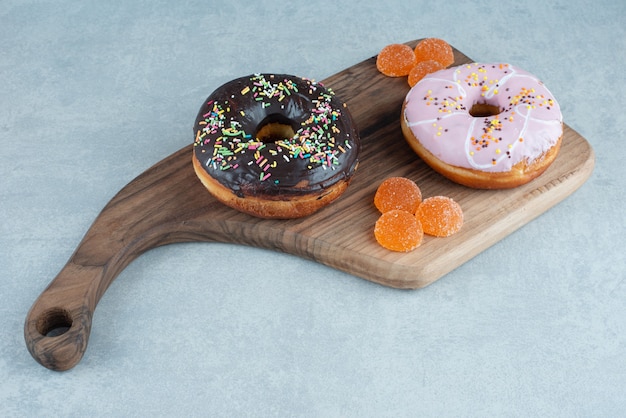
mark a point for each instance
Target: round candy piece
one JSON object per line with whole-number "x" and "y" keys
{"x": 421, "y": 69}
{"x": 440, "y": 216}
{"x": 434, "y": 49}
{"x": 395, "y": 60}
{"x": 398, "y": 230}
{"x": 397, "y": 193}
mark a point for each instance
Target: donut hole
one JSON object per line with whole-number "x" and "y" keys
{"x": 481, "y": 110}
{"x": 275, "y": 128}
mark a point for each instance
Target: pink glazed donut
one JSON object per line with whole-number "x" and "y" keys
{"x": 486, "y": 126}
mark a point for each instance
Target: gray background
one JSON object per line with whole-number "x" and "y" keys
{"x": 92, "y": 93}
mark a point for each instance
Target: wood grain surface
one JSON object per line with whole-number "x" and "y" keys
{"x": 167, "y": 204}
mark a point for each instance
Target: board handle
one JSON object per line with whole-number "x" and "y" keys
{"x": 151, "y": 211}
{"x": 58, "y": 324}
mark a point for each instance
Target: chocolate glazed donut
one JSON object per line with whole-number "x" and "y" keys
{"x": 275, "y": 145}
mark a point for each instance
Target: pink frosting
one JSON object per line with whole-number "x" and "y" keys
{"x": 437, "y": 112}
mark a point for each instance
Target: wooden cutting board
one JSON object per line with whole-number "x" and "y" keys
{"x": 168, "y": 204}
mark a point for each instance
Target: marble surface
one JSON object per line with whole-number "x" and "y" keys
{"x": 93, "y": 93}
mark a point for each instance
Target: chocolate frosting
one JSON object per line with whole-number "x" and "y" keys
{"x": 323, "y": 150}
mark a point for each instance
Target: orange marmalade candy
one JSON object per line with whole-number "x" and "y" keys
{"x": 421, "y": 69}
{"x": 395, "y": 60}
{"x": 440, "y": 216}
{"x": 398, "y": 230}
{"x": 397, "y": 193}
{"x": 434, "y": 49}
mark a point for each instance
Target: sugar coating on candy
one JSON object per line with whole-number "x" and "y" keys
{"x": 434, "y": 49}
{"x": 421, "y": 69}
{"x": 440, "y": 216}
{"x": 398, "y": 230}
{"x": 395, "y": 60}
{"x": 397, "y": 193}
